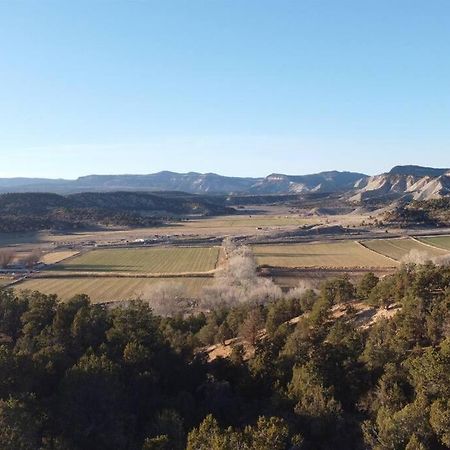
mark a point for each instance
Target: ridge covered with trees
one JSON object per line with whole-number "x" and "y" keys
{"x": 81, "y": 376}
{"x": 421, "y": 213}
{"x": 41, "y": 211}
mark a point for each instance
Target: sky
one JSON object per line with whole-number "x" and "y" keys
{"x": 236, "y": 87}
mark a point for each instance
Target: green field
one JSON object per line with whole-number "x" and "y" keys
{"x": 438, "y": 241}
{"x": 165, "y": 260}
{"x": 400, "y": 248}
{"x": 108, "y": 288}
{"x": 326, "y": 255}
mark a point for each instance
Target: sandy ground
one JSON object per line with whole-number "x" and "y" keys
{"x": 236, "y": 225}
{"x": 56, "y": 257}
{"x": 365, "y": 317}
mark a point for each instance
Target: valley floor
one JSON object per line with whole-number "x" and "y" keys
{"x": 290, "y": 248}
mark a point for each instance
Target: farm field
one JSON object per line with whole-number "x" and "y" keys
{"x": 400, "y": 248}
{"x": 56, "y": 257}
{"x": 4, "y": 281}
{"x": 438, "y": 241}
{"x": 164, "y": 260}
{"x": 108, "y": 289}
{"x": 318, "y": 254}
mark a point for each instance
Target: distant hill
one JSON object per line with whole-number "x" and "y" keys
{"x": 330, "y": 182}
{"x": 408, "y": 182}
{"x": 434, "y": 212}
{"x": 418, "y": 171}
{"x": 45, "y": 211}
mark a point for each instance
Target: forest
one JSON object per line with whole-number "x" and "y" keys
{"x": 75, "y": 375}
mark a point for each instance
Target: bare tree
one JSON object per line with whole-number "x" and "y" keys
{"x": 420, "y": 257}
{"x": 238, "y": 282}
{"x": 165, "y": 298}
{"x": 32, "y": 259}
{"x": 415, "y": 256}
{"x": 228, "y": 245}
{"x": 442, "y": 260}
{"x": 6, "y": 257}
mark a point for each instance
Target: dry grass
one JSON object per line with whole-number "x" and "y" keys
{"x": 399, "y": 249}
{"x": 258, "y": 224}
{"x": 340, "y": 254}
{"x": 156, "y": 260}
{"x": 108, "y": 289}
{"x": 252, "y": 221}
{"x": 4, "y": 281}
{"x": 442, "y": 242}
{"x": 56, "y": 257}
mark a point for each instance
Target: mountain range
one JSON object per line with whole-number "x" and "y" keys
{"x": 192, "y": 182}
{"x": 408, "y": 182}
{"x": 411, "y": 182}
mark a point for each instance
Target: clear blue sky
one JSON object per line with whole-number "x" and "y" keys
{"x": 237, "y": 87}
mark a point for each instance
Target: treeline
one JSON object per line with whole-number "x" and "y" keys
{"x": 80, "y": 376}
{"x": 36, "y": 211}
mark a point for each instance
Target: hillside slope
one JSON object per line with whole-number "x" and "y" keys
{"x": 410, "y": 182}
{"x": 331, "y": 182}
{"x": 40, "y": 211}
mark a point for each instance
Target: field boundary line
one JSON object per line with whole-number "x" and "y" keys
{"x": 281, "y": 270}
{"x": 378, "y": 253}
{"x": 67, "y": 258}
{"x": 62, "y": 275}
{"x": 435, "y": 247}
{"x": 13, "y": 283}
{"x": 221, "y": 256}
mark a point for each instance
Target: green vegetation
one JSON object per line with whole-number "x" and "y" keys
{"x": 82, "y": 376}
{"x": 332, "y": 254}
{"x": 438, "y": 241}
{"x": 399, "y": 249}
{"x": 100, "y": 289}
{"x": 66, "y": 279}
{"x": 155, "y": 260}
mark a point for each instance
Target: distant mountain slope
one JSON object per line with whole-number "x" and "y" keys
{"x": 192, "y": 182}
{"x": 417, "y": 171}
{"x": 333, "y": 181}
{"x": 410, "y": 182}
